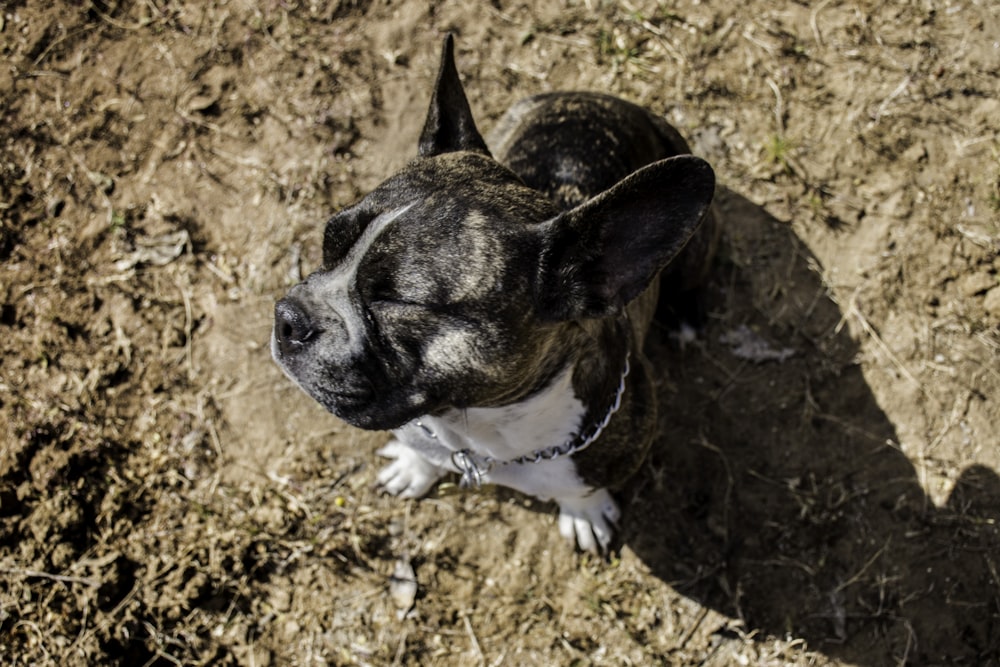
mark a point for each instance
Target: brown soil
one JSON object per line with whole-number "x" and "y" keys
{"x": 825, "y": 491}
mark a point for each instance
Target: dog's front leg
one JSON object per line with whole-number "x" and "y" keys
{"x": 410, "y": 474}
{"x": 589, "y": 520}
{"x": 587, "y": 515}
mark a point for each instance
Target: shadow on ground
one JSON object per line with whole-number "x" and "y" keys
{"x": 779, "y": 494}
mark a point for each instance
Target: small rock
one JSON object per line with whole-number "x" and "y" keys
{"x": 403, "y": 587}
{"x": 977, "y": 283}
{"x": 281, "y": 600}
{"x": 991, "y": 302}
{"x": 292, "y": 630}
{"x": 54, "y": 206}
{"x": 916, "y": 153}
{"x": 202, "y": 103}
{"x": 156, "y": 250}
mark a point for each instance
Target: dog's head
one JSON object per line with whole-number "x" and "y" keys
{"x": 452, "y": 283}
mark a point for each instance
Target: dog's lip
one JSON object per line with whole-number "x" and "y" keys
{"x": 352, "y": 405}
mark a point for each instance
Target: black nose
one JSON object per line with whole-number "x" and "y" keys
{"x": 293, "y": 327}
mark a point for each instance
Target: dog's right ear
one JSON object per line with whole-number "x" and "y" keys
{"x": 599, "y": 256}
{"x": 449, "y": 126}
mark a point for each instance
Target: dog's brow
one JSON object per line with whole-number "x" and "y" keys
{"x": 334, "y": 286}
{"x": 372, "y": 232}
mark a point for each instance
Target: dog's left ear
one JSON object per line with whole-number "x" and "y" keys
{"x": 599, "y": 256}
{"x": 449, "y": 126}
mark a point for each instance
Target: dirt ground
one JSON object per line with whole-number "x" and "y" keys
{"x": 825, "y": 491}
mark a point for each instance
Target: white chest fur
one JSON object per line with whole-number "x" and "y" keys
{"x": 549, "y": 418}
{"x": 423, "y": 452}
{"x": 496, "y": 437}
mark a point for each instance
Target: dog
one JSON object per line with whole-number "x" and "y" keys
{"x": 490, "y": 305}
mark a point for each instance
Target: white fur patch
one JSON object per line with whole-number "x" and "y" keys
{"x": 550, "y": 418}
{"x": 333, "y": 287}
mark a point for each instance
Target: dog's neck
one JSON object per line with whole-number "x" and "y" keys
{"x": 549, "y": 425}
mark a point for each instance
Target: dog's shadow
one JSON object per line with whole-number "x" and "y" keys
{"x": 778, "y": 494}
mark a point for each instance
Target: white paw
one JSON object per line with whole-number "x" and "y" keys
{"x": 409, "y": 475}
{"x": 589, "y": 520}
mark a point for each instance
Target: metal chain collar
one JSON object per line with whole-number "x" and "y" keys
{"x": 473, "y": 467}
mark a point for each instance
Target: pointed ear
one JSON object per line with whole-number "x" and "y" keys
{"x": 449, "y": 126}
{"x": 602, "y": 254}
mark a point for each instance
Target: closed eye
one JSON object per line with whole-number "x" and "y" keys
{"x": 398, "y": 304}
